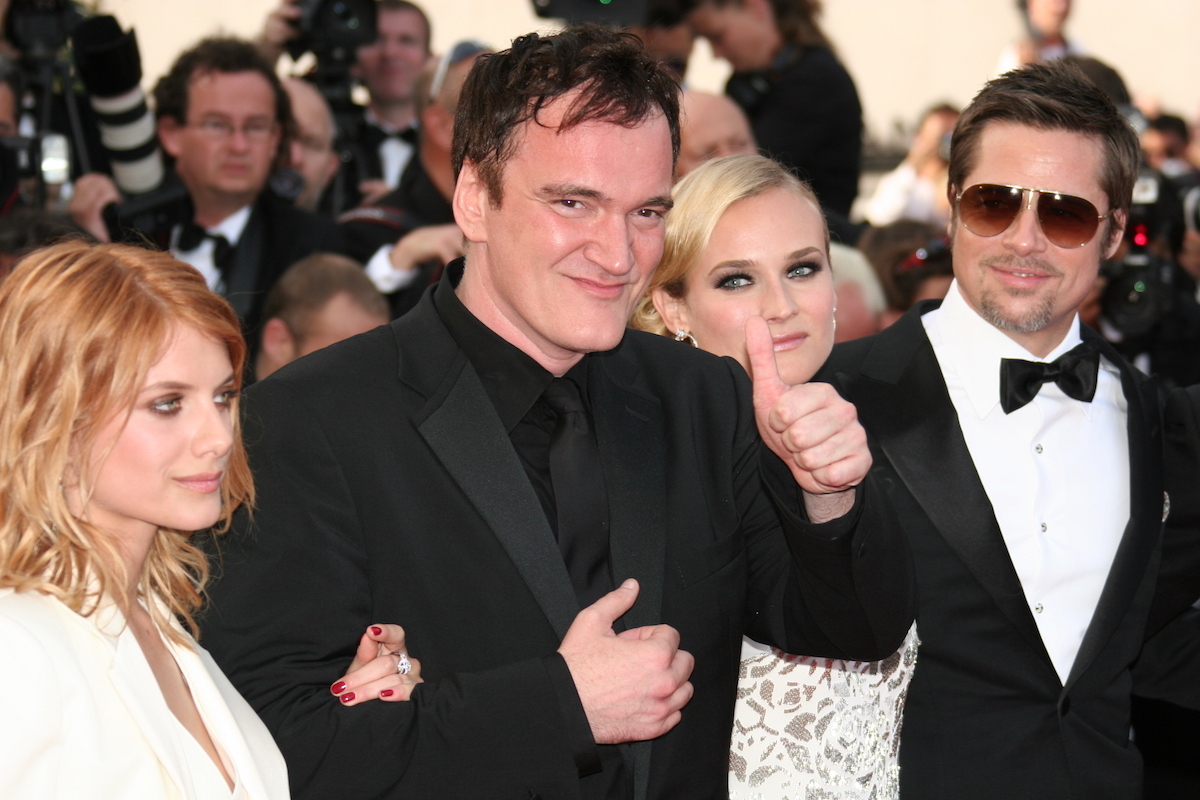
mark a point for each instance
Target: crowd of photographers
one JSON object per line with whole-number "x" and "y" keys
{"x": 242, "y": 174}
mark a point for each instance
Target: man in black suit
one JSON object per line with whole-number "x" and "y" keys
{"x": 222, "y": 114}
{"x": 1035, "y": 517}
{"x": 569, "y": 519}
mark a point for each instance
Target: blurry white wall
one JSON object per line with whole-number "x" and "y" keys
{"x": 904, "y": 54}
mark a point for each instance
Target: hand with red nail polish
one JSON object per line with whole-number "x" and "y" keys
{"x": 373, "y": 672}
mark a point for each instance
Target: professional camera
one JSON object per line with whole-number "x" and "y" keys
{"x": 1141, "y": 285}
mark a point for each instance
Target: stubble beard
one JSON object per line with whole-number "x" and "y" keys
{"x": 1016, "y": 317}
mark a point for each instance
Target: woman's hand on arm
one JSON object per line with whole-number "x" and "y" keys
{"x": 381, "y": 668}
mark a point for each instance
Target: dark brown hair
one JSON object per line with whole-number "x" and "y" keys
{"x": 224, "y": 54}
{"x": 310, "y": 283}
{"x": 619, "y": 82}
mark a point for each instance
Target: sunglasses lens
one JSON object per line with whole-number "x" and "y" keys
{"x": 1067, "y": 221}
{"x": 987, "y": 209}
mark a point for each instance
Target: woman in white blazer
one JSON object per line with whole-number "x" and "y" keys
{"x": 119, "y": 373}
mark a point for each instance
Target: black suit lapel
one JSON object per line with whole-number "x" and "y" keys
{"x": 629, "y": 428}
{"x": 1140, "y": 538}
{"x": 463, "y": 430}
{"x": 916, "y": 426}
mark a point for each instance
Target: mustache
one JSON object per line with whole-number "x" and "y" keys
{"x": 1022, "y": 264}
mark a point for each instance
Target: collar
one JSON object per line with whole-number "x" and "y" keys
{"x": 514, "y": 382}
{"x": 391, "y": 130}
{"x": 232, "y": 226}
{"x": 976, "y": 347}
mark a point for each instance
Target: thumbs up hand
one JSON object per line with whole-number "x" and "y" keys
{"x": 810, "y": 427}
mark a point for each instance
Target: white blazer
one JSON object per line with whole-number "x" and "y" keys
{"x": 81, "y": 714}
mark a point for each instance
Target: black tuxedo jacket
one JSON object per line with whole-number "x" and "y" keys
{"x": 987, "y": 715}
{"x": 389, "y": 491}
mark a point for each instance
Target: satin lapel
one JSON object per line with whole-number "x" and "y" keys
{"x": 465, "y": 433}
{"x": 910, "y": 415}
{"x": 1141, "y": 534}
{"x": 629, "y": 430}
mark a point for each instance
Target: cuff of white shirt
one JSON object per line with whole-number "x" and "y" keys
{"x": 385, "y": 277}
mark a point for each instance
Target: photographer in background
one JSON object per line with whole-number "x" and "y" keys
{"x": 386, "y": 138}
{"x": 222, "y": 114}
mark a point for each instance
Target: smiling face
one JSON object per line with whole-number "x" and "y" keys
{"x": 390, "y": 65}
{"x": 1018, "y": 280}
{"x": 557, "y": 267}
{"x": 766, "y": 257}
{"x": 161, "y": 465}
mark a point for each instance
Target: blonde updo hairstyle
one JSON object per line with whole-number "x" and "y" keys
{"x": 701, "y": 198}
{"x": 80, "y": 327}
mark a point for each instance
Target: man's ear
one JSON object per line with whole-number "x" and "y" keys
{"x": 673, "y": 310}
{"x": 471, "y": 203}
{"x": 1116, "y": 233}
{"x": 278, "y": 344}
{"x": 169, "y": 131}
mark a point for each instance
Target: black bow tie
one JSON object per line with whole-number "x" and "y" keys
{"x": 192, "y": 236}
{"x": 372, "y": 135}
{"x": 1074, "y": 372}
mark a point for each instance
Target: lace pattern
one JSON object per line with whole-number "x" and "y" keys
{"x": 808, "y": 728}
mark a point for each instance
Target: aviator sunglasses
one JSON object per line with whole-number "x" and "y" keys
{"x": 988, "y": 209}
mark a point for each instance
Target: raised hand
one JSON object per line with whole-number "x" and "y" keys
{"x": 809, "y": 426}
{"x": 374, "y": 672}
{"x": 632, "y": 684}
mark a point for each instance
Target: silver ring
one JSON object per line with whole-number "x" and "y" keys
{"x": 403, "y": 665}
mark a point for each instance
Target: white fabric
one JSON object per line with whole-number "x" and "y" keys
{"x": 388, "y": 279}
{"x": 809, "y": 728}
{"x": 903, "y": 194}
{"x": 82, "y": 715}
{"x": 202, "y": 257}
{"x": 1056, "y": 470}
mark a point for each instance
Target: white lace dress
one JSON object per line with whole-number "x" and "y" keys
{"x": 810, "y": 728}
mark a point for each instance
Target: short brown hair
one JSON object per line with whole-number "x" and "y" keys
{"x": 619, "y": 81}
{"x": 1050, "y": 97}
{"x": 80, "y": 327}
{"x": 310, "y": 283}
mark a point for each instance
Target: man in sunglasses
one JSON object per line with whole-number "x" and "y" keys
{"x": 1023, "y": 455}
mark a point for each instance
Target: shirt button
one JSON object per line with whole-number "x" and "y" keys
{"x": 1043, "y": 527}
{"x": 1038, "y": 608}
{"x": 1037, "y": 448}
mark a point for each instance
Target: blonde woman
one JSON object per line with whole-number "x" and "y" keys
{"x": 119, "y": 376}
{"x": 745, "y": 239}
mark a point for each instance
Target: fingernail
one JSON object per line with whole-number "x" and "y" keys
{"x": 347, "y": 697}
{"x": 386, "y": 693}
{"x": 628, "y": 584}
{"x": 375, "y": 629}
{"x": 338, "y": 687}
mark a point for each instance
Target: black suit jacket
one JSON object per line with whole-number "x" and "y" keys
{"x": 987, "y": 715}
{"x": 389, "y": 491}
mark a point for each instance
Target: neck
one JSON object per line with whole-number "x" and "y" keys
{"x": 478, "y": 298}
{"x": 396, "y": 113}
{"x": 210, "y": 211}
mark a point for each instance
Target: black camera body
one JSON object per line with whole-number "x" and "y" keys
{"x": 1141, "y": 285}
{"x": 333, "y": 29}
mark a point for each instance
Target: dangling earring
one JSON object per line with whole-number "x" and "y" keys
{"x": 683, "y": 336}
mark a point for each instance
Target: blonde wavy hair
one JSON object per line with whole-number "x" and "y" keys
{"x": 701, "y": 198}
{"x": 80, "y": 327}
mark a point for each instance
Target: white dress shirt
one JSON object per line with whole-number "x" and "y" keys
{"x": 201, "y": 257}
{"x": 1056, "y": 470}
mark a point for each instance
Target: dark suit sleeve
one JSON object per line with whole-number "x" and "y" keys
{"x": 1179, "y": 577}
{"x": 849, "y": 590}
{"x": 293, "y": 593}
{"x": 1169, "y": 666}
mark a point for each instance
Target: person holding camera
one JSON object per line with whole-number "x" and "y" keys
{"x": 222, "y": 114}
{"x": 385, "y": 138}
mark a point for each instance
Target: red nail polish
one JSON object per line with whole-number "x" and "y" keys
{"x": 375, "y": 629}
{"x": 347, "y": 697}
{"x": 386, "y": 693}
{"x": 338, "y": 687}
